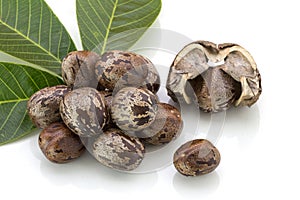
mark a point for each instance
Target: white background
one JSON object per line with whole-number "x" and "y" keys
{"x": 259, "y": 145}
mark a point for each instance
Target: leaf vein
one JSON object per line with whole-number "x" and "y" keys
{"x": 17, "y": 13}
{"x": 7, "y": 86}
{"x": 30, "y": 77}
{"x": 135, "y": 21}
{"x": 8, "y": 116}
{"x": 104, "y": 10}
{"x": 59, "y": 42}
{"x": 12, "y": 101}
{"x": 40, "y": 24}
{"x": 109, "y": 26}
{"x": 45, "y": 78}
{"x": 90, "y": 40}
{"x": 29, "y": 18}
{"x": 50, "y": 33}
{"x": 100, "y": 18}
{"x": 134, "y": 10}
{"x": 90, "y": 20}
{"x": 21, "y": 121}
{"x": 30, "y": 40}
{"x": 18, "y": 84}
{"x": 124, "y": 3}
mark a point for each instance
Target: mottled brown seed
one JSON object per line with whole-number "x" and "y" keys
{"x": 59, "y": 144}
{"x": 83, "y": 110}
{"x": 78, "y": 69}
{"x": 133, "y": 109}
{"x": 165, "y": 128}
{"x": 108, "y": 103}
{"x": 43, "y": 106}
{"x": 196, "y": 157}
{"x": 215, "y": 76}
{"x": 116, "y": 150}
{"x": 118, "y": 69}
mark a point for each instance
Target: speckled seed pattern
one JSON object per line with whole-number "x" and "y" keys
{"x": 108, "y": 103}
{"x": 134, "y": 109}
{"x": 222, "y": 76}
{"x": 165, "y": 128}
{"x": 83, "y": 110}
{"x": 59, "y": 144}
{"x": 43, "y": 106}
{"x": 119, "y": 69}
{"x": 78, "y": 69}
{"x": 196, "y": 157}
{"x": 116, "y": 150}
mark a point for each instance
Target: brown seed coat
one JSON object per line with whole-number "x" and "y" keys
{"x": 196, "y": 157}
{"x": 59, "y": 144}
{"x": 78, "y": 69}
{"x": 118, "y": 69}
{"x": 83, "y": 110}
{"x": 165, "y": 128}
{"x": 133, "y": 109}
{"x": 116, "y": 150}
{"x": 43, "y": 106}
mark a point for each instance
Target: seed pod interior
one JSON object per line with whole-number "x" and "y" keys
{"x": 216, "y": 76}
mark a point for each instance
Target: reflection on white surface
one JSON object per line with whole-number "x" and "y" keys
{"x": 202, "y": 186}
{"x": 242, "y": 124}
{"x": 259, "y": 145}
{"x": 87, "y": 173}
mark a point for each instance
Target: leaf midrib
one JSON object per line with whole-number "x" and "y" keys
{"x": 109, "y": 26}
{"x": 13, "y": 101}
{"x": 30, "y": 40}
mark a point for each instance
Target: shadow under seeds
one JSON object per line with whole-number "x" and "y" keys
{"x": 240, "y": 123}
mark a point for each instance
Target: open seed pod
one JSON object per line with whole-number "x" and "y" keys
{"x": 215, "y": 76}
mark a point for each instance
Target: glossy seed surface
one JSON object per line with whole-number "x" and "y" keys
{"x": 78, "y": 69}
{"x": 116, "y": 150}
{"x": 134, "y": 109}
{"x": 43, "y": 106}
{"x": 59, "y": 144}
{"x": 118, "y": 69}
{"x": 84, "y": 111}
{"x": 196, "y": 157}
{"x": 166, "y": 126}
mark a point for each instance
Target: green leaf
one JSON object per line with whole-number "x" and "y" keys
{"x": 30, "y": 31}
{"x": 17, "y": 84}
{"x": 114, "y": 24}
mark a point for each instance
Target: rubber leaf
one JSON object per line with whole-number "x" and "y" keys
{"x": 114, "y": 24}
{"x": 17, "y": 84}
{"x": 29, "y": 30}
